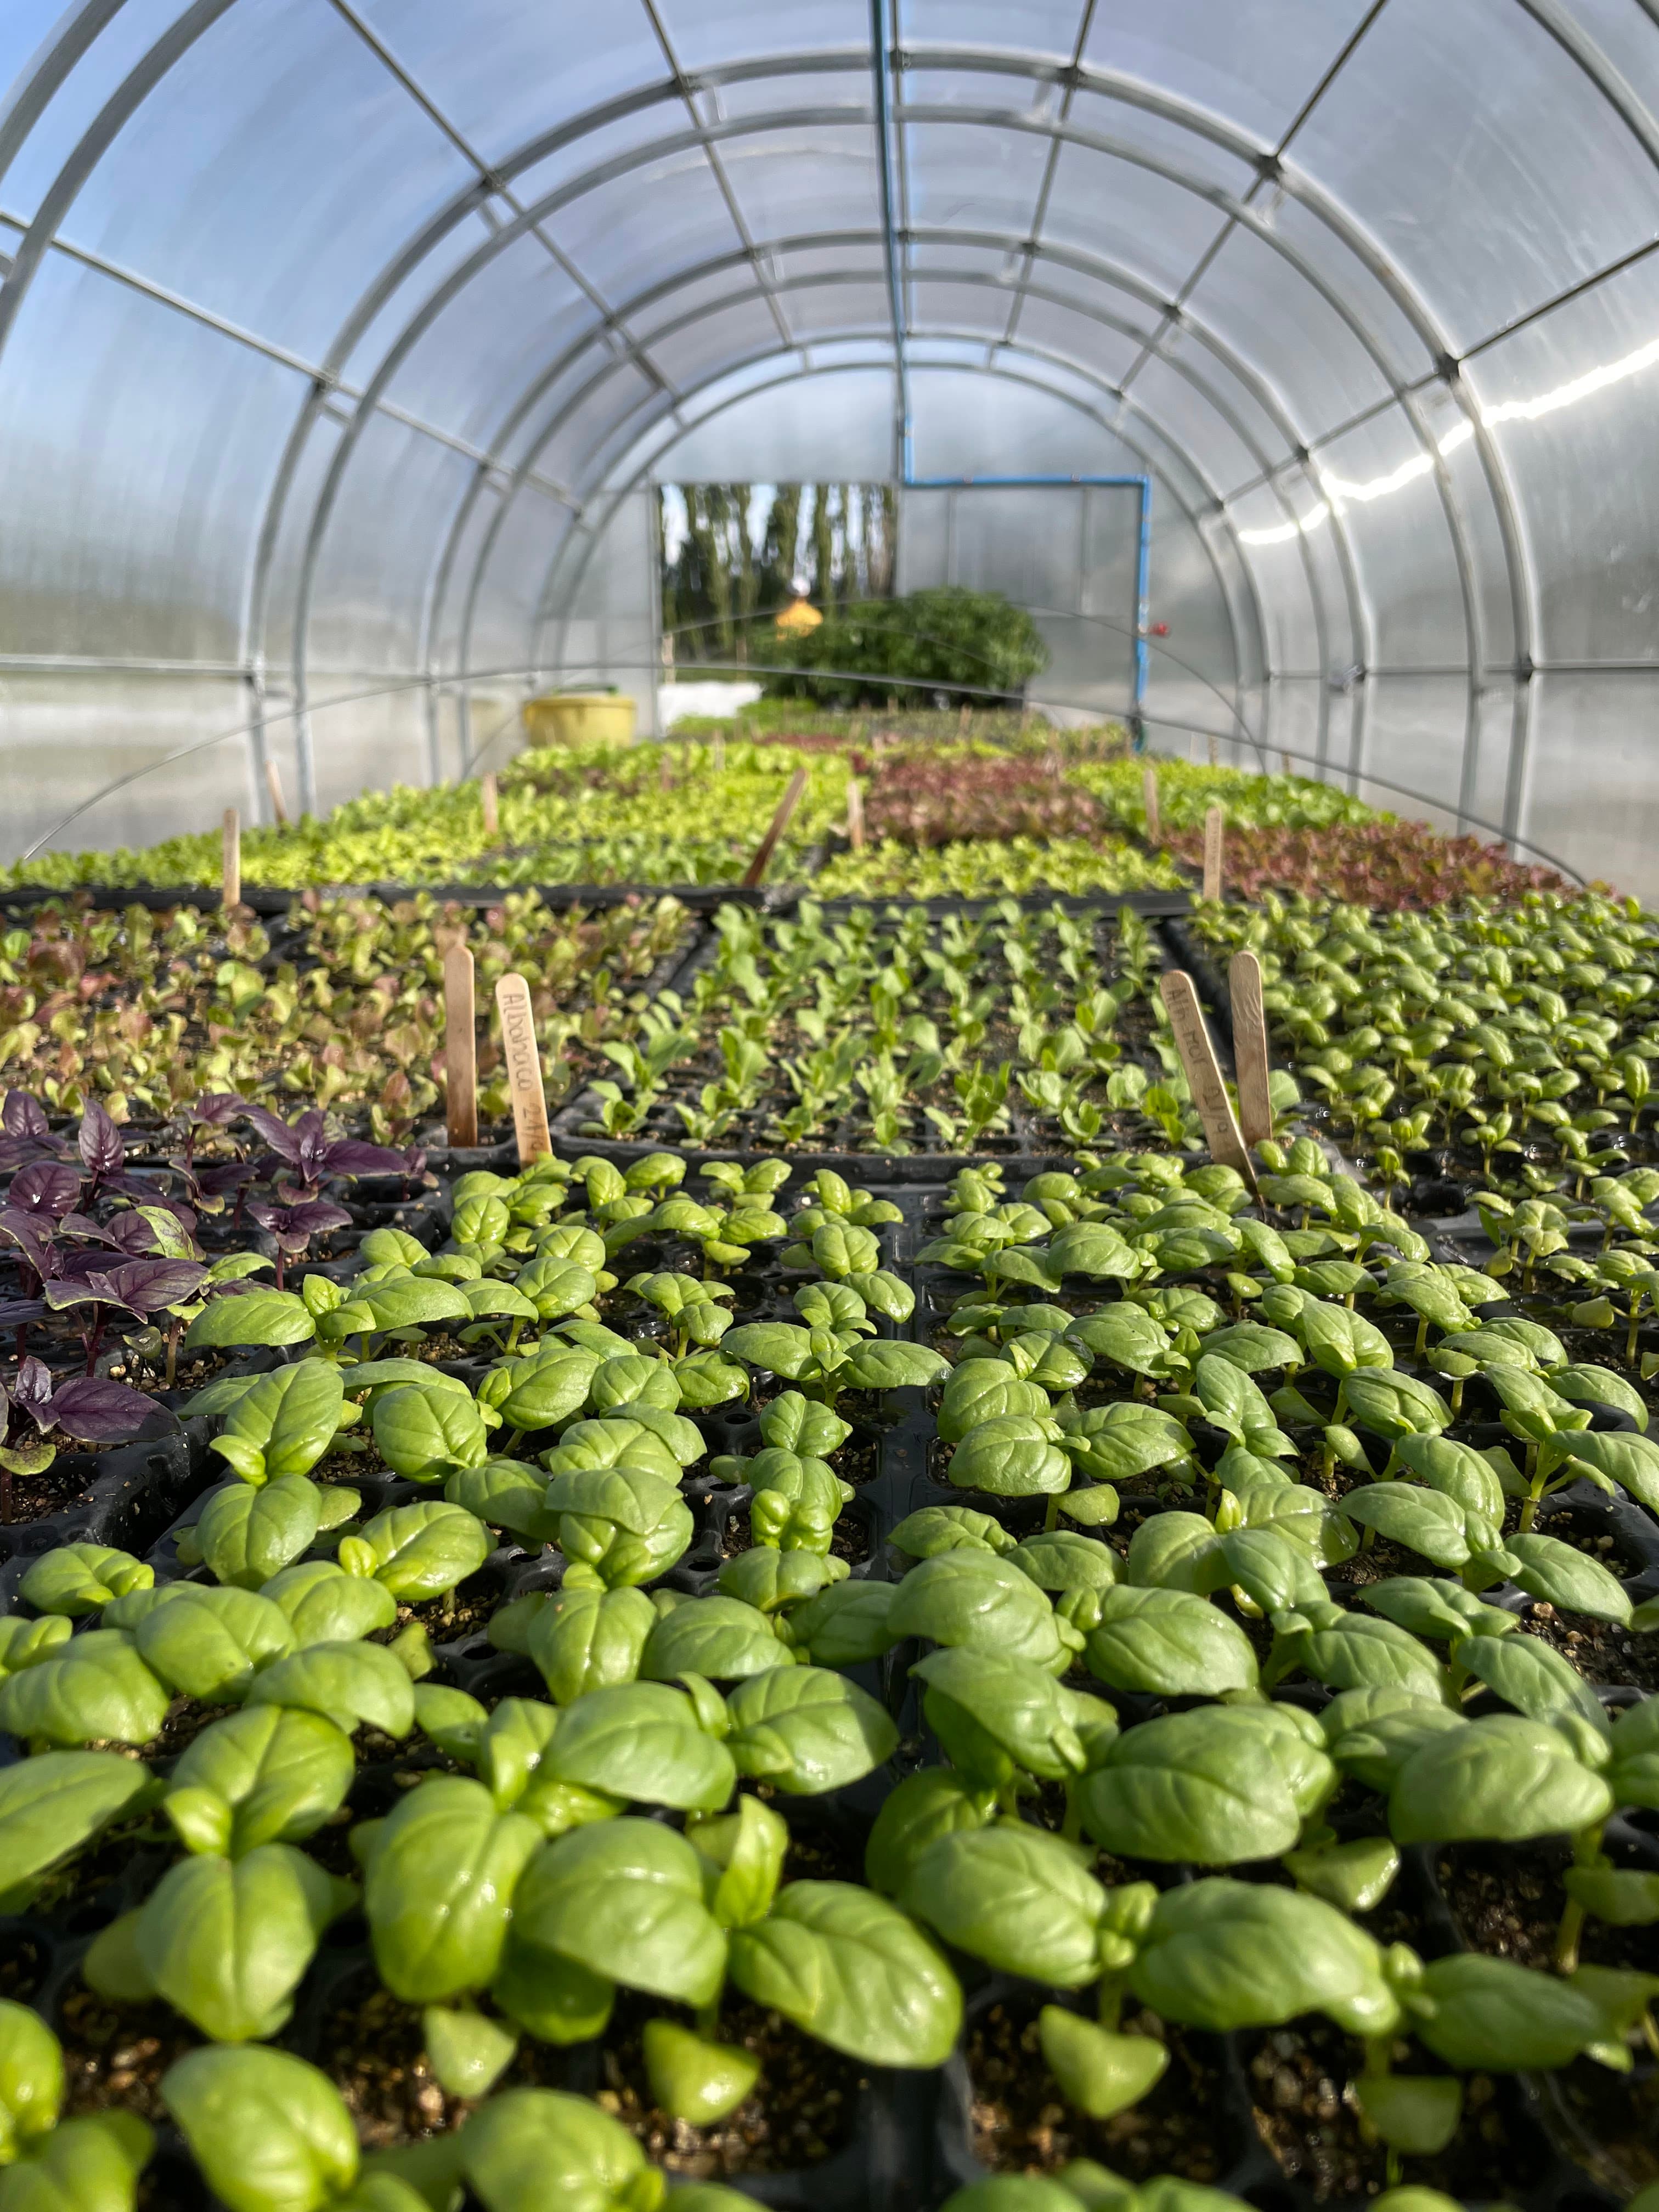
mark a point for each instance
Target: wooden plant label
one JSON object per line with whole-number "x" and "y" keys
{"x": 1214, "y": 833}
{"x": 524, "y": 1069}
{"x": 855, "y": 815}
{"x": 274, "y": 786}
{"x": 719, "y": 752}
{"x": 1286, "y": 757}
{"x": 460, "y": 1048}
{"x": 767, "y": 846}
{"x": 492, "y": 811}
{"x": 1148, "y": 794}
{"x": 230, "y": 887}
{"x": 1192, "y": 1038}
{"x": 1255, "y": 1113}
{"x": 1215, "y": 754}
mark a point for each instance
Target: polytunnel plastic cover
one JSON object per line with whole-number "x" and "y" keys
{"x": 341, "y": 339}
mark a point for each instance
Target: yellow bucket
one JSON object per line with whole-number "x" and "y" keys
{"x": 571, "y": 718}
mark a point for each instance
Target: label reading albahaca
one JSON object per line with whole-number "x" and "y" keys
{"x": 524, "y": 1069}
{"x": 1192, "y": 1038}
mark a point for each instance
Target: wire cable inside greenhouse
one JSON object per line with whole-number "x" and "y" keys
{"x": 829, "y": 1161}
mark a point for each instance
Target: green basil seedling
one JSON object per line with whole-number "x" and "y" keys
{"x": 618, "y": 1525}
{"x": 1217, "y": 1785}
{"x": 807, "y": 1730}
{"x": 270, "y": 2133}
{"x": 540, "y": 2150}
{"x": 1222, "y": 1955}
{"x": 95, "y": 1688}
{"x": 81, "y": 1579}
{"x": 284, "y": 1422}
{"x": 720, "y": 1638}
{"x": 247, "y": 1535}
{"x": 262, "y": 1776}
{"x": 225, "y": 1942}
{"x": 971, "y": 1597}
{"x": 418, "y": 1552}
{"x": 439, "y": 1876}
{"x": 326, "y": 1605}
{"x": 352, "y": 1684}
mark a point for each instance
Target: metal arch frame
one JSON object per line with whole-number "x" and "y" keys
{"x": 576, "y": 398}
{"x": 1584, "y": 54}
{"x": 1357, "y": 607}
{"x": 617, "y": 493}
{"x": 207, "y": 11}
{"x": 1070, "y": 366}
{"x": 1100, "y": 271}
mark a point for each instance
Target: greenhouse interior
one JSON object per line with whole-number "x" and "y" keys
{"x": 829, "y": 1160}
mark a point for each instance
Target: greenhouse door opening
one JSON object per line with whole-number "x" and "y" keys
{"x": 1072, "y": 555}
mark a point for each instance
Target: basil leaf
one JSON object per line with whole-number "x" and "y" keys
{"x": 418, "y": 1551}
{"x": 227, "y": 1942}
{"x": 1490, "y": 2015}
{"x": 1423, "y": 1521}
{"x": 94, "y": 1689}
{"x": 1373, "y": 1732}
{"x": 270, "y": 2133}
{"x": 624, "y": 1900}
{"x": 277, "y": 1774}
{"x": 1443, "y": 1610}
{"x": 1169, "y": 1642}
{"x": 994, "y": 1714}
{"x": 251, "y": 1318}
{"x": 1018, "y": 1898}
{"x": 913, "y": 1815}
{"x": 1456, "y": 1472}
{"x": 807, "y": 1730}
{"x": 888, "y": 1364}
{"x": 1174, "y": 1551}
{"x": 247, "y": 1535}
{"x": 1222, "y": 1955}
{"x": 1502, "y": 1779}
{"x": 719, "y": 1637}
{"x": 1567, "y": 1576}
{"x": 586, "y": 1639}
{"x": 853, "y": 1970}
{"x": 1010, "y": 1455}
{"x": 438, "y": 1889}
{"x": 539, "y": 2150}
{"x": 326, "y": 1605}
{"x": 978, "y": 1391}
{"x": 540, "y": 1392}
{"x": 90, "y": 2165}
{"x": 642, "y": 1742}
{"x": 426, "y": 1434}
{"x": 847, "y": 1623}
{"x": 1528, "y": 1675}
{"x": 1351, "y": 1651}
{"x": 283, "y": 1424}
{"x": 1126, "y": 1336}
{"x": 82, "y": 1579}
{"x": 800, "y": 1424}
{"x": 974, "y": 1598}
{"x": 625, "y": 1525}
{"x": 931, "y": 1529}
{"x": 347, "y": 1683}
{"x": 504, "y": 1493}
{"x": 1216, "y": 1785}
{"x": 209, "y": 1643}
{"x": 51, "y": 1804}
